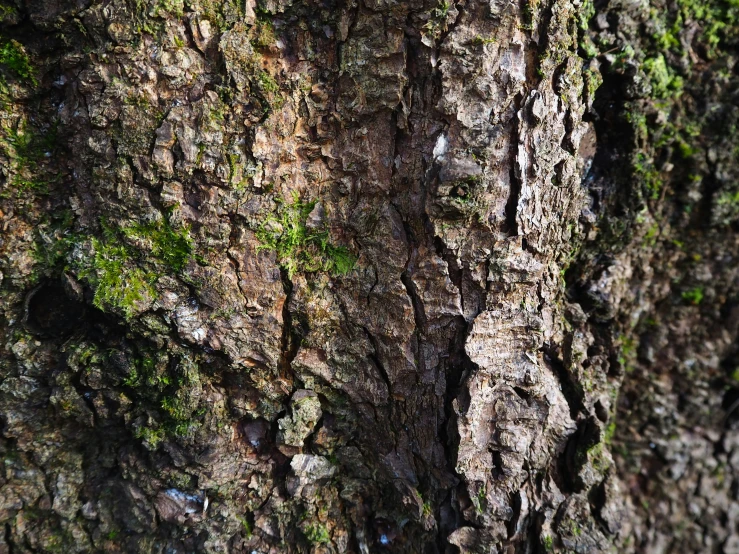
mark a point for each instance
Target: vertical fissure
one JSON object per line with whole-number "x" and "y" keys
{"x": 288, "y": 345}
{"x": 515, "y": 179}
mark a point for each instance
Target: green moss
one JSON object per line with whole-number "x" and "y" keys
{"x": 223, "y": 13}
{"x": 667, "y": 38}
{"x": 436, "y": 23}
{"x": 13, "y": 58}
{"x": 593, "y": 80}
{"x": 585, "y": 14}
{"x": 441, "y": 10}
{"x": 182, "y": 407}
{"x": 7, "y": 11}
{"x": 650, "y": 178}
{"x": 575, "y": 529}
{"x": 728, "y": 199}
{"x": 53, "y": 243}
{"x": 628, "y": 352}
{"x": 267, "y": 82}
{"x": 27, "y": 146}
{"x": 717, "y": 19}
{"x": 650, "y": 237}
{"x": 133, "y": 379}
{"x": 150, "y": 435}
{"x": 665, "y": 82}
{"x": 298, "y": 248}
{"x": 693, "y": 296}
{"x": 530, "y": 10}
{"x": 480, "y": 41}
{"x": 685, "y": 150}
{"x": 118, "y": 282}
{"x": 548, "y": 543}
{"x": 638, "y": 122}
{"x": 137, "y": 100}
{"x": 270, "y": 90}
{"x": 610, "y": 433}
{"x": 83, "y": 355}
{"x": 246, "y": 526}
{"x": 589, "y": 48}
{"x": 168, "y": 7}
{"x": 479, "y": 501}
{"x": 126, "y": 262}
{"x": 176, "y": 408}
{"x": 463, "y": 191}
{"x": 169, "y": 246}
{"x": 171, "y": 396}
{"x": 263, "y": 33}
{"x": 317, "y": 533}
{"x": 666, "y": 62}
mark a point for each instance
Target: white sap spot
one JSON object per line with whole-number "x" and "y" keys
{"x": 441, "y": 147}
{"x": 384, "y": 539}
{"x": 190, "y": 501}
{"x": 198, "y": 334}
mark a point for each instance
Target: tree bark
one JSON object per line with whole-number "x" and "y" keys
{"x": 296, "y": 276}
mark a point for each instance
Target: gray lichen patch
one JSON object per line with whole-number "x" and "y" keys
{"x": 305, "y": 411}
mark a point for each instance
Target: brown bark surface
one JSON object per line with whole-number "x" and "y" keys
{"x": 364, "y": 276}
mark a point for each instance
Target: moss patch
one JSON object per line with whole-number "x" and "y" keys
{"x": 298, "y": 248}
{"x": 693, "y": 296}
{"x": 171, "y": 247}
{"x": 15, "y": 60}
{"x": 317, "y": 534}
{"x": 118, "y": 282}
{"x": 126, "y": 263}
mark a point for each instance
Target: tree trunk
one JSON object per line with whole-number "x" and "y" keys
{"x": 369, "y": 276}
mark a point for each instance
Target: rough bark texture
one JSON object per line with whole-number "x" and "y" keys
{"x": 365, "y": 276}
